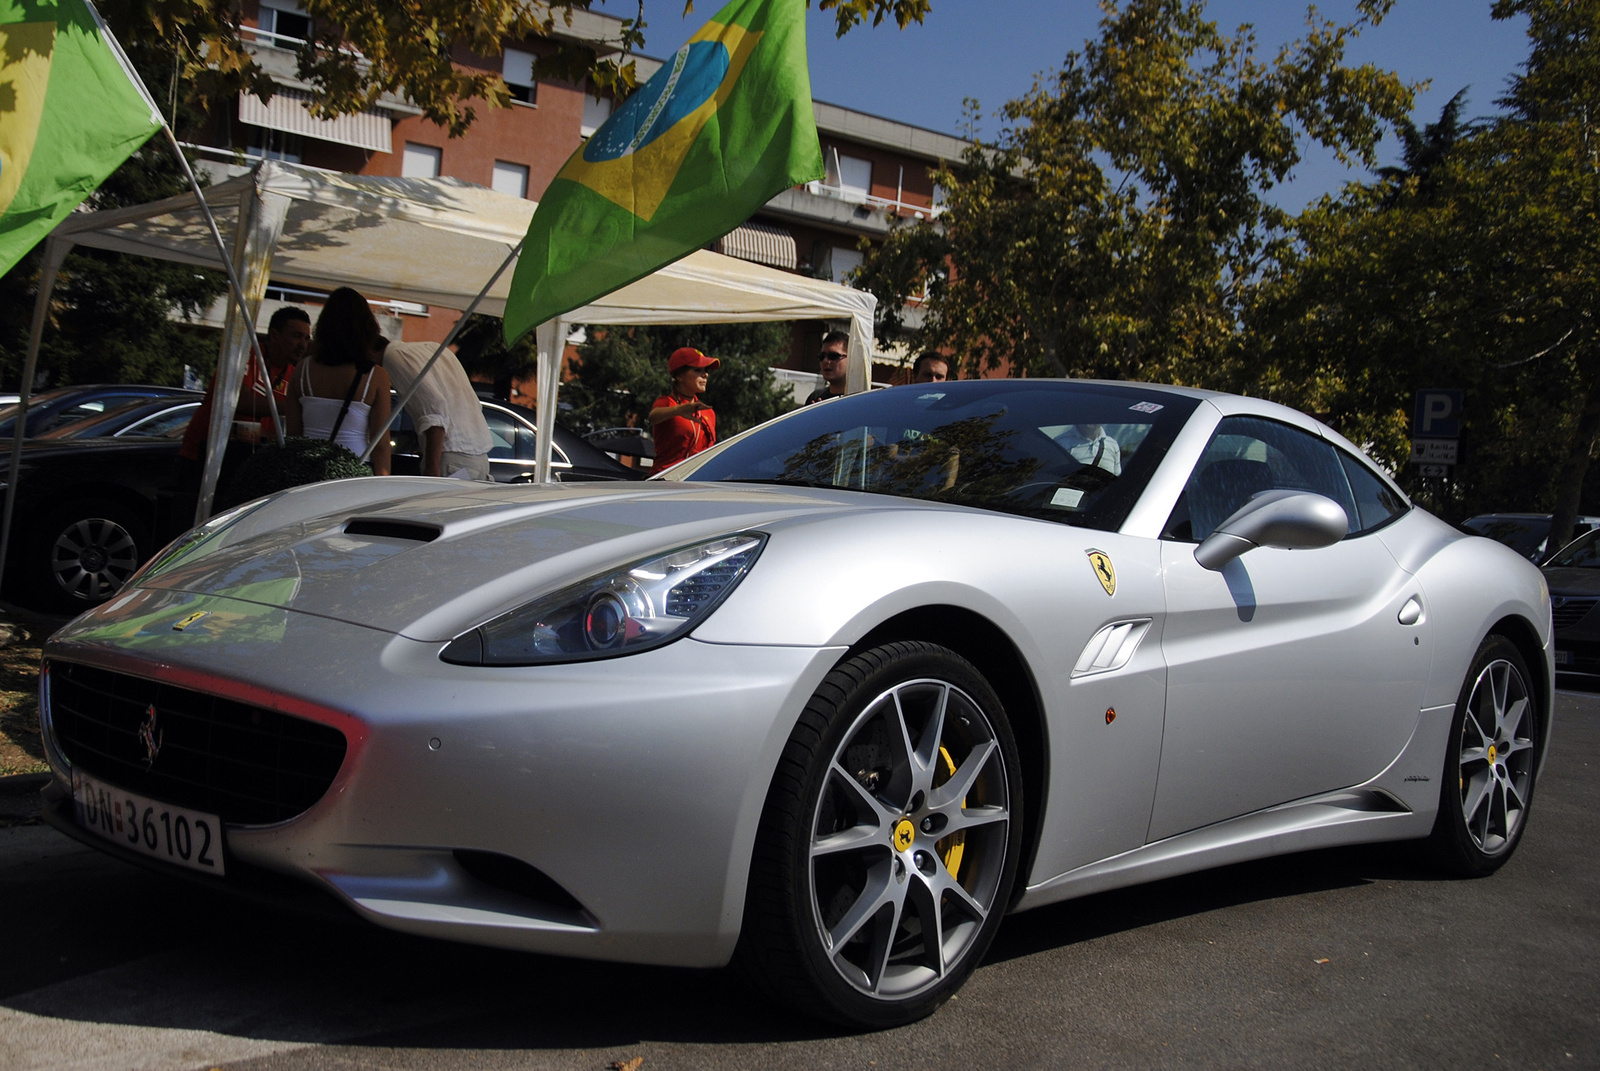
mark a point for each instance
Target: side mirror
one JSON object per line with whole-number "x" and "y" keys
{"x": 1292, "y": 520}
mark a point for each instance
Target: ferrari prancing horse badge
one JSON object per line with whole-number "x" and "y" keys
{"x": 1103, "y": 570}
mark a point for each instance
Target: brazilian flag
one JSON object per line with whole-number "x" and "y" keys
{"x": 70, "y": 113}
{"x": 722, "y": 127}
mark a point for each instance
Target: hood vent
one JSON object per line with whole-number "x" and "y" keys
{"x": 415, "y": 531}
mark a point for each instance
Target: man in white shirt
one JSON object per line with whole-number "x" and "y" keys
{"x": 451, "y": 431}
{"x": 1090, "y": 445}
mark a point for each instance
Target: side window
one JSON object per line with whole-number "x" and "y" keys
{"x": 502, "y": 434}
{"x": 1248, "y": 455}
{"x": 1375, "y": 501}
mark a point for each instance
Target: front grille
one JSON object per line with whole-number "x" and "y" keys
{"x": 245, "y": 764}
{"x": 1568, "y": 610}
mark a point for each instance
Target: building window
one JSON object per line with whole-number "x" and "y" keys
{"x": 510, "y": 178}
{"x": 517, "y": 70}
{"x": 851, "y": 176}
{"x": 420, "y": 161}
{"x": 844, "y": 261}
{"x": 596, "y": 110}
{"x": 265, "y": 144}
{"x": 284, "y": 23}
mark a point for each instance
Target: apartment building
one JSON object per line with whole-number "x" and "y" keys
{"x": 877, "y": 170}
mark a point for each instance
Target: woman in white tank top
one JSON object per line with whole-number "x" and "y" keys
{"x": 341, "y": 367}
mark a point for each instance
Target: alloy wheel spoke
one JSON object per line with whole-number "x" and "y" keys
{"x": 1511, "y": 719}
{"x": 862, "y": 795}
{"x": 922, "y": 898}
{"x": 1478, "y": 789}
{"x": 854, "y": 839}
{"x": 880, "y": 890}
{"x": 883, "y": 940}
{"x": 966, "y": 818}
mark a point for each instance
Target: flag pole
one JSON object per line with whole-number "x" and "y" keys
{"x": 205, "y": 208}
{"x": 399, "y": 407}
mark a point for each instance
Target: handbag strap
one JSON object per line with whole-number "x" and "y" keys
{"x": 362, "y": 369}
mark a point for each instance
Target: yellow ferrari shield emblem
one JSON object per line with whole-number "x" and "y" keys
{"x": 904, "y": 834}
{"x": 191, "y": 619}
{"x": 1104, "y": 571}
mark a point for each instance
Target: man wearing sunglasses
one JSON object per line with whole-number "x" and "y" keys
{"x": 835, "y": 355}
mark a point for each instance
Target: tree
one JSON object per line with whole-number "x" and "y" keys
{"x": 360, "y": 50}
{"x": 1473, "y": 265}
{"x": 1119, "y": 224}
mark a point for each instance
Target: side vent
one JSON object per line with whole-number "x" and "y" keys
{"x": 1112, "y": 647}
{"x": 415, "y": 531}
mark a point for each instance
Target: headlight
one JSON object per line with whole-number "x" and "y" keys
{"x": 632, "y": 609}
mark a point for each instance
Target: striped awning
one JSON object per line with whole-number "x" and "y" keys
{"x": 287, "y": 112}
{"x": 760, "y": 244}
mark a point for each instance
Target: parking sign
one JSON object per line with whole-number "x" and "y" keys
{"x": 1438, "y": 414}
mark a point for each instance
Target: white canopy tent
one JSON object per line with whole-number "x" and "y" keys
{"x": 432, "y": 241}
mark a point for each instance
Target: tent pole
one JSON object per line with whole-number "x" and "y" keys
{"x": 233, "y": 281}
{"x": 55, "y": 251}
{"x": 552, "y": 337}
{"x": 398, "y": 408}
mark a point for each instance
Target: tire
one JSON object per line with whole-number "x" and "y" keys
{"x": 866, "y": 843}
{"x": 1491, "y": 761}
{"x": 84, "y": 552}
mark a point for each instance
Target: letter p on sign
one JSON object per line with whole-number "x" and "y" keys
{"x": 1438, "y": 414}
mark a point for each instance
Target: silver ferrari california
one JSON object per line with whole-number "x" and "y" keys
{"x": 827, "y": 700}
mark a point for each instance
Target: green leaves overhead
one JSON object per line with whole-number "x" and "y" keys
{"x": 1117, "y": 226}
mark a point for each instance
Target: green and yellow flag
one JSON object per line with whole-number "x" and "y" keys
{"x": 724, "y": 125}
{"x": 70, "y": 113}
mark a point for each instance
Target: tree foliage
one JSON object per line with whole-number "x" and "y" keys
{"x": 1474, "y": 265}
{"x": 361, "y": 50}
{"x": 1118, "y": 225}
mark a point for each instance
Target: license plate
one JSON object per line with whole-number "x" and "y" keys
{"x": 1563, "y": 658}
{"x": 149, "y": 827}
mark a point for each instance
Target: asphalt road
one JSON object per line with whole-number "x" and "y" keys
{"x": 1357, "y": 958}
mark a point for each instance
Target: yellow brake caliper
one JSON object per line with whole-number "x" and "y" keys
{"x": 951, "y": 847}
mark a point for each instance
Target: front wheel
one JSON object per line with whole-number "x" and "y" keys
{"x": 889, "y": 844}
{"x": 1490, "y": 764}
{"x": 84, "y": 552}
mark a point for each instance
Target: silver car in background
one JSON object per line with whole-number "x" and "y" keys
{"x": 828, "y": 700}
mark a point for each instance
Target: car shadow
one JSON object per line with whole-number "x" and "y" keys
{"x": 1102, "y": 914}
{"x": 238, "y": 970}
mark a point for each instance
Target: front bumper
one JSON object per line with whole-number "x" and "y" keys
{"x": 634, "y": 784}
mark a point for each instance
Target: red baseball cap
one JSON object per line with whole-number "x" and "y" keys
{"x": 689, "y": 357}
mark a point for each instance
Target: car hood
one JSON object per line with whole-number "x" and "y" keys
{"x": 1570, "y": 580}
{"x": 403, "y": 555}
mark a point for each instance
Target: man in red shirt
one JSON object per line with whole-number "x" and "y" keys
{"x": 682, "y": 424}
{"x": 288, "y": 339}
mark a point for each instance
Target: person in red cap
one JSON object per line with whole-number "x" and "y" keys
{"x": 682, "y": 424}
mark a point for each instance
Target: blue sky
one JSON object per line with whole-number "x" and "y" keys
{"x": 991, "y": 50}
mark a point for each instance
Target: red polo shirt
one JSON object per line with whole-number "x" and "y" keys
{"x": 682, "y": 436}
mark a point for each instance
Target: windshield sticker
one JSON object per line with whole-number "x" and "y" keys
{"x": 1146, "y": 407}
{"x": 1070, "y": 497}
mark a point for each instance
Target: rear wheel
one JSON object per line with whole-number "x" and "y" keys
{"x": 890, "y": 840}
{"x": 1490, "y": 765}
{"x": 84, "y": 553}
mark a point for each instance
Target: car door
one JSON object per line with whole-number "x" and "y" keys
{"x": 1290, "y": 672}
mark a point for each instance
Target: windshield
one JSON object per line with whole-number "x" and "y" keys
{"x": 1581, "y": 553}
{"x": 1525, "y": 535}
{"x": 1078, "y": 453}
